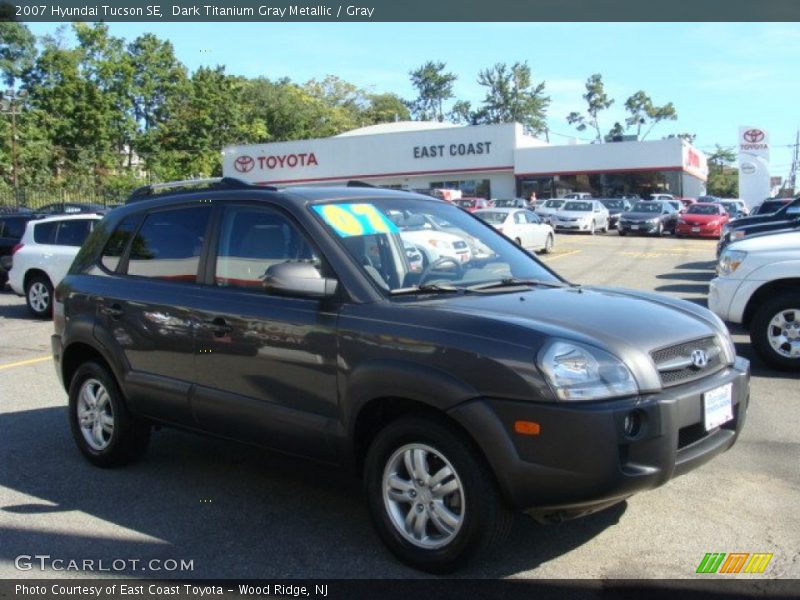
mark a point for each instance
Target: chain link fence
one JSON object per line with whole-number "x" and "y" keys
{"x": 36, "y": 199}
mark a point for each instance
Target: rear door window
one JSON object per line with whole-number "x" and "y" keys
{"x": 118, "y": 241}
{"x": 169, "y": 243}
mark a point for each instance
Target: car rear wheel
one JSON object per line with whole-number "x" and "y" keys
{"x": 105, "y": 432}
{"x": 518, "y": 242}
{"x": 433, "y": 500}
{"x": 775, "y": 331}
{"x": 39, "y": 296}
{"x": 591, "y": 228}
{"x": 659, "y": 229}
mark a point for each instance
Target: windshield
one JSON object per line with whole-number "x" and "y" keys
{"x": 465, "y": 203}
{"x": 375, "y": 230}
{"x": 647, "y": 207}
{"x": 494, "y": 217}
{"x": 698, "y": 209}
{"x": 771, "y": 207}
{"x": 613, "y": 203}
{"x": 578, "y": 206}
{"x": 554, "y": 203}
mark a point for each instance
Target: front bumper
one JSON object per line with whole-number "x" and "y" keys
{"x": 582, "y": 460}
{"x": 646, "y": 227}
{"x": 702, "y": 230}
{"x": 570, "y": 226}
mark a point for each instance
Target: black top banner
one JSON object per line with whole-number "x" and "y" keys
{"x": 406, "y": 10}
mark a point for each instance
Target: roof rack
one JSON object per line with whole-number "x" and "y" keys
{"x": 190, "y": 185}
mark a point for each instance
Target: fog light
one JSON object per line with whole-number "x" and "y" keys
{"x": 633, "y": 424}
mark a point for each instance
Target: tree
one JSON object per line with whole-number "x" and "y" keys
{"x": 723, "y": 178}
{"x": 616, "y": 132}
{"x": 642, "y": 112}
{"x": 512, "y": 97}
{"x": 434, "y": 86}
{"x": 462, "y": 113}
{"x": 596, "y": 101}
{"x": 17, "y": 51}
{"x": 385, "y": 108}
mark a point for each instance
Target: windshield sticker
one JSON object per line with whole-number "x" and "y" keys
{"x": 349, "y": 220}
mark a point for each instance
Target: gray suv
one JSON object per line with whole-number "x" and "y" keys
{"x": 463, "y": 387}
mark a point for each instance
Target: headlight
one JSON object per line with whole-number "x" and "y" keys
{"x": 738, "y": 234}
{"x": 730, "y": 261}
{"x": 577, "y": 372}
{"x": 439, "y": 243}
{"x": 654, "y": 221}
{"x": 726, "y": 342}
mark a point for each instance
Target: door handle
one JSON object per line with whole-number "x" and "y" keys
{"x": 114, "y": 311}
{"x": 219, "y": 326}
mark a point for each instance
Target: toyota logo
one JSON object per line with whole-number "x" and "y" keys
{"x": 699, "y": 358}
{"x": 244, "y": 164}
{"x": 753, "y": 136}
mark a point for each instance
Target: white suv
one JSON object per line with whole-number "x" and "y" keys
{"x": 758, "y": 285}
{"x": 44, "y": 255}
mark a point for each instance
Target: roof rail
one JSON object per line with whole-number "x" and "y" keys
{"x": 190, "y": 185}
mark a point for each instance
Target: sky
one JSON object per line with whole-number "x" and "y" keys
{"x": 718, "y": 75}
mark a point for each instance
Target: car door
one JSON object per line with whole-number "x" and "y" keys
{"x": 265, "y": 366}
{"x": 539, "y": 231}
{"x": 145, "y": 305}
{"x": 521, "y": 228}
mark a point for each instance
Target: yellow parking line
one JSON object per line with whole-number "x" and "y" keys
{"x": 22, "y": 363}
{"x": 549, "y": 258}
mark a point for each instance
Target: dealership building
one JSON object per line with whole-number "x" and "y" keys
{"x": 492, "y": 161}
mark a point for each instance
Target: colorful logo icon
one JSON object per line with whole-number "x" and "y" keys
{"x": 753, "y": 136}
{"x": 244, "y": 164}
{"x": 735, "y": 562}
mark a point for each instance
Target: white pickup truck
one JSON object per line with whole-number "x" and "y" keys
{"x": 758, "y": 285}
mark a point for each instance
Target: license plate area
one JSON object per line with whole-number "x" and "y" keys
{"x": 634, "y": 227}
{"x": 695, "y": 229}
{"x": 718, "y": 406}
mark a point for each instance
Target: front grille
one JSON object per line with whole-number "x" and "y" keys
{"x": 459, "y": 245}
{"x": 675, "y": 365}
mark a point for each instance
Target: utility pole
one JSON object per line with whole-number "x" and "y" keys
{"x": 10, "y": 104}
{"x": 791, "y": 180}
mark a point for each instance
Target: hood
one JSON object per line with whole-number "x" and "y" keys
{"x": 627, "y": 323}
{"x": 574, "y": 214}
{"x": 640, "y": 216}
{"x": 781, "y": 242}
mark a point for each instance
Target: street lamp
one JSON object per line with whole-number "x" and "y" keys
{"x": 10, "y": 102}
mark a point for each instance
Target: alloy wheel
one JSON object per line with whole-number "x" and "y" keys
{"x": 39, "y": 296}
{"x": 95, "y": 414}
{"x": 784, "y": 333}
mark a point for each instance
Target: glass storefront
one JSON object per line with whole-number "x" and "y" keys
{"x": 602, "y": 185}
{"x": 470, "y": 188}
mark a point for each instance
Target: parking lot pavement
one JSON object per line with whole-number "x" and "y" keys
{"x": 239, "y": 512}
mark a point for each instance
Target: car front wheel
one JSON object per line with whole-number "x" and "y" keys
{"x": 433, "y": 500}
{"x": 548, "y": 244}
{"x": 775, "y": 331}
{"x": 39, "y": 296}
{"x": 105, "y": 432}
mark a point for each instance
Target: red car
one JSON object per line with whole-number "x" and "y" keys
{"x": 472, "y": 204}
{"x": 704, "y": 219}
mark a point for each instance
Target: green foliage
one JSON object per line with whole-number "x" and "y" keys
{"x": 511, "y": 96}
{"x": 434, "y": 86}
{"x": 17, "y": 51}
{"x": 596, "y": 101}
{"x": 723, "y": 178}
{"x": 385, "y": 108}
{"x": 643, "y": 112}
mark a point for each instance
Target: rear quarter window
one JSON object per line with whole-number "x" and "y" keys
{"x": 45, "y": 233}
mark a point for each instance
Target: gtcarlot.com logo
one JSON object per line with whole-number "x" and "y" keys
{"x": 45, "y": 562}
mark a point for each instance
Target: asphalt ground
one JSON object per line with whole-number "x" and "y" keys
{"x": 240, "y": 512}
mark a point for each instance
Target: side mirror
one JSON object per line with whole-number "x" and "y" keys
{"x": 298, "y": 279}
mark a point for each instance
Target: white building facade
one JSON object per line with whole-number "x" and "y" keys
{"x": 491, "y": 161}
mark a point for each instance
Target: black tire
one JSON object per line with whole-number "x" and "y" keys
{"x": 760, "y": 330}
{"x": 485, "y": 518}
{"x": 518, "y": 242}
{"x": 621, "y": 233}
{"x": 130, "y": 435}
{"x": 548, "y": 245}
{"x": 39, "y": 296}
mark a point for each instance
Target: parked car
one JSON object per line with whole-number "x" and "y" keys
{"x": 648, "y": 216}
{"x": 677, "y": 205}
{"x": 661, "y": 197}
{"x": 434, "y": 245}
{"x": 547, "y": 208}
{"x": 743, "y": 208}
{"x": 687, "y": 202}
{"x": 69, "y": 208}
{"x": 615, "y": 207}
{"x": 12, "y": 227}
{"x": 734, "y": 209}
{"x": 524, "y": 227}
{"x": 577, "y": 196}
{"x": 581, "y": 215}
{"x": 704, "y": 219}
{"x": 771, "y": 206}
{"x": 458, "y": 392}
{"x": 510, "y": 203}
{"x": 43, "y": 256}
{"x": 786, "y": 217}
{"x": 757, "y": 286}
{"x": 472, "y": 204}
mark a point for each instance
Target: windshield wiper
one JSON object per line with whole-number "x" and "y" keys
{"x": 427, "y": 288}
{"x": 517, "y": 282}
